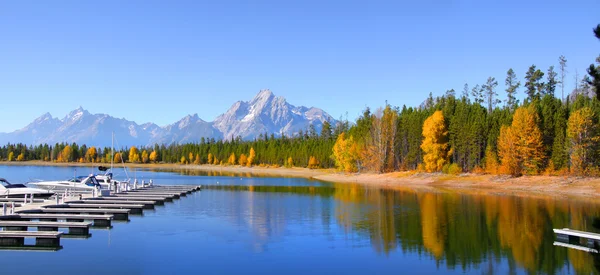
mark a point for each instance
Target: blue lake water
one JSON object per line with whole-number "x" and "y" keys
{"x": 275, "y": 225}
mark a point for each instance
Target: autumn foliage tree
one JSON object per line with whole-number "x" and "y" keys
{"x": 243, "y": 160}
{"x": 313, "y": 163}
{"x": 582, "y": 133}
{"x": 91, "y": 154}
{"x": 134, "y": 155}
{"x": 520, "y": 146}
{"x": 345, "y": 153}
{"x": 153, "y": 156}
{"x": 231, "y": 160}
{"x": 145, "y": 156}
{"x": 66, "y": 155}
{"x": 435, "y": 143}
{"x": 251, "y": 157}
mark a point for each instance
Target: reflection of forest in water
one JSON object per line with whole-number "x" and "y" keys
{"x": 460, "y": 230}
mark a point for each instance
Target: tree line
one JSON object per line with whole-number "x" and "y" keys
{"x": 471, "y": 132}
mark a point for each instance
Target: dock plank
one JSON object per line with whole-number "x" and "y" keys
{"x": 577, "y": 233}
{"x": 45, "y": 224}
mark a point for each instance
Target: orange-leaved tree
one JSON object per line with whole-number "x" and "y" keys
{"x": 520, "y": 146}
{"x": 435, "y": 143}
{"x": 582, "y": 133}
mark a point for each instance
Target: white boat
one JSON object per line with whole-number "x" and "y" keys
{"x": 77, "y": 184}
{"x": 9, "y": 190}
{"x": 107, "y": 182}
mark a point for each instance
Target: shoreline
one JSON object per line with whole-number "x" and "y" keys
{"x": 553, "y": 186}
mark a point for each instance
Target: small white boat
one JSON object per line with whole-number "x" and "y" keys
{"x": 9, "y": 190}
{"x": 77, "y": 184}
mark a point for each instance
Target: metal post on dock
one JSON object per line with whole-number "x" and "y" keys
{"x": 4, "y": 208}
{"x": 25, "y": 200}
{"x": 135, "y": 184}
{"x": 30, "y": 198}
{"x": 143, "y": 183}
{"x": 12, "y": 207}
{"x": 150, "y": 183}
{"x": 57, "y": 199}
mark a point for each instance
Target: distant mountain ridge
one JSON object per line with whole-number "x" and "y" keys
{"x": 265, "y": 113}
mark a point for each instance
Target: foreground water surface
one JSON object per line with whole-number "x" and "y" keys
{"x": 269, "y": 225}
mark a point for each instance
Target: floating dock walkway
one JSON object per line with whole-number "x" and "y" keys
{"x": 573, "y": 239}
{"x": 77, "y": 215}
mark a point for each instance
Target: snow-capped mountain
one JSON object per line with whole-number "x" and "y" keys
{"x": 265, "y": 113}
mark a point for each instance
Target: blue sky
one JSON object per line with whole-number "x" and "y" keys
{"x": 161, "y": 60}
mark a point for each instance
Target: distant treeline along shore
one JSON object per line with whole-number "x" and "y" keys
{"x": 473, "y": 131}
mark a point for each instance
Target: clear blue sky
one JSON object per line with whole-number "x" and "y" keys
{"x": 161, "y": 60}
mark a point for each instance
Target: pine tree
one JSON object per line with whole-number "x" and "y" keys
{"x": 551, "y": 82}
{"x": 562, "y": 60}
{"x": 490, "y": 92}
{"x": 532, "y": 83}
{"x": 512, "y": 85}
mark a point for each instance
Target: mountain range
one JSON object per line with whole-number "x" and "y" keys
{"x": 265, "y": 113}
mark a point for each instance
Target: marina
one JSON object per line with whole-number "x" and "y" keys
{"x": 48, "y": 216}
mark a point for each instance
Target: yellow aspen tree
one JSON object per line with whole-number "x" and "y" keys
{"x": 210, "y": 158}
{"x": 197, "y": 160}
{"x": 582, "y": 134}
{"x": 21, "y": 157}
{"x": 153, "y": 156}
{"x": 91, "y": 154}
{"x": 191, "y": 157}
{"x": 435, "y": 143}
{"x": 182, "y": 160}
{"x": 345, "y": 153}
{"x": 251, "y": 157}
{"x": 134, "y": 155}
{"x": 118, "y": 158}
{"x": 520, "y": 146}
{"x": 231, "y": 160}
{"x": 529, "y": 139}
{"x": 289, "y": 163}
{"x": 313, "y": 163}
{"x": 507, "y": 151}
{"x": 145, "y": 156}
{"x": 67, "y": 154}
{"x": 11, "y": 156}
{"x": 216, "y": 162}
{"x": 243, "y": 160}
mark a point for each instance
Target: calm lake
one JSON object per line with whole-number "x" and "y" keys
{"x": 239, "y": 224}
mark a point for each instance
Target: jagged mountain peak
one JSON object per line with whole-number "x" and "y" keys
{"x": 46, "y": 116}
{"x": 264, "y": 113}
{"x": 76, "y": 114}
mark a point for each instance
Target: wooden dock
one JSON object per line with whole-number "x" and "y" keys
{"x": 78, "y": 214}
{"x": 141, "y": 200}
{"x": 99, "y": 220}
{"x": 571, "y": 234}
{"x": 75, "y": 228}
{"x": 145, "y": 204}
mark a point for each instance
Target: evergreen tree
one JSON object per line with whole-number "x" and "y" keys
{"x": 512, "y": 85}
{"x": 490, "y": 93}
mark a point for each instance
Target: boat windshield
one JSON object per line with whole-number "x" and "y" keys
{"x": 7, "y": 184}
{"x": 78, "y": 179}
{"x": 91, "y": 181}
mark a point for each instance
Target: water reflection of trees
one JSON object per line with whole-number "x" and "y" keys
{"x": 459, "y": 230}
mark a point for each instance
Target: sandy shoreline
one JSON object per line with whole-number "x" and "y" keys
{"x": 568, "y": 187}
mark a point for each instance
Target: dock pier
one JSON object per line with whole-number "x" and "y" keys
{"x": 77, "y": 214}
